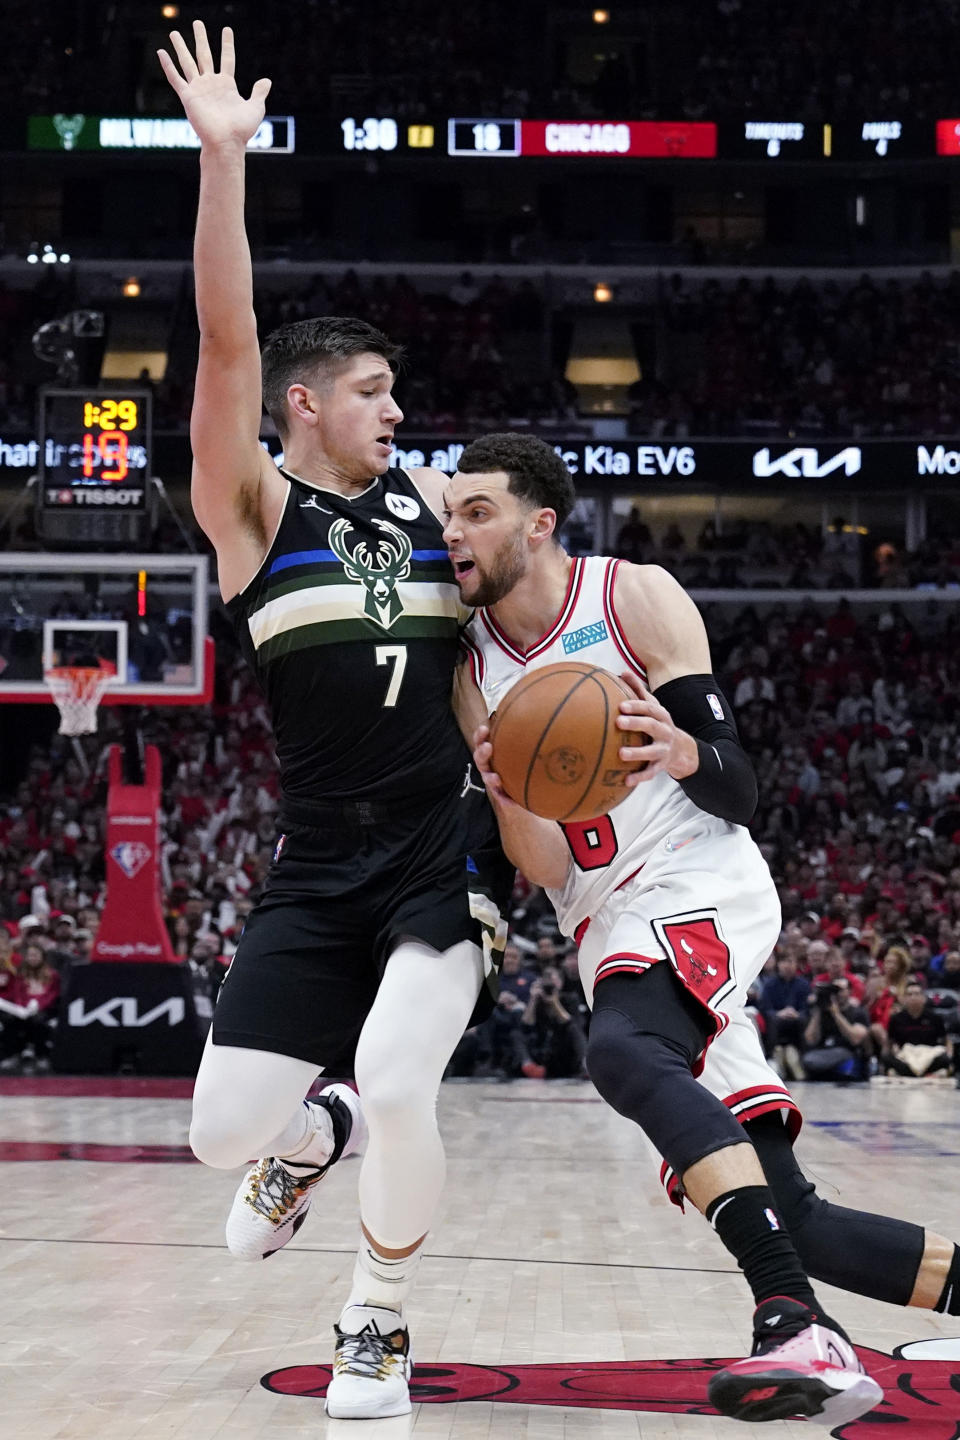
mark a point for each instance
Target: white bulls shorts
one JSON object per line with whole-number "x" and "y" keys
{"x": 710, "y": 909}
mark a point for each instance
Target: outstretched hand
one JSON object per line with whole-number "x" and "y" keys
{"x": 210, "y": 98}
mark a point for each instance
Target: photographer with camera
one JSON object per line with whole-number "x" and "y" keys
{"x": 837, "y": 1035}
{"x": 556, "y": 1038}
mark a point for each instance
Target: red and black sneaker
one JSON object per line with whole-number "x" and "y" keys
{"x": 802, "y": 1365}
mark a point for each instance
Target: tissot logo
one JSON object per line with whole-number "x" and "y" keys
{"x": 804, "y": 462}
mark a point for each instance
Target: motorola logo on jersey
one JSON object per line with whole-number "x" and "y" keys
{"x": 403, "y": 506}
{"x": 377, "y": 568}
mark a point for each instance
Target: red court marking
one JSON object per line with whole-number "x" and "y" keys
{"x": 119, "y": 1087}
{"x": 12, "y": 1150}
{"x": 85, "y": 1151}
{"x": 922, "y": 1398}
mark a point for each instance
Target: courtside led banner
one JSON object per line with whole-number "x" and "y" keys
{"x": 811, "y": 466}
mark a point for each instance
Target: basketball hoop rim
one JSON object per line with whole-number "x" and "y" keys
{"x": 77, "y": 691}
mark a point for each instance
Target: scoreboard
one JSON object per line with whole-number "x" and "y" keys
{"x": 879, "y": 139}
{"x": 94, "y": 464}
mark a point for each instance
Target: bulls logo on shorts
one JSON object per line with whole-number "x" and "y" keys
{"x": 700, "y": 954}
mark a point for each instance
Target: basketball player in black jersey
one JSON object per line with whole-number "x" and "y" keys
{"x": 380, "y": 917}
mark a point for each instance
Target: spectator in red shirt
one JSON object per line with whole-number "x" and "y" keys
{"x": 37, "y": 984}
{"x": 885, "y": 991}
{"x": 12, "y": 1013}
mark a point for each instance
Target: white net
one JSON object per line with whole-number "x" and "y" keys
{"x": 78, "y": 690}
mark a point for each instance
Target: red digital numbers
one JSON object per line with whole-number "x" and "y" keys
{"x": 109, "y": 448}
{"x": 593, "y": 843}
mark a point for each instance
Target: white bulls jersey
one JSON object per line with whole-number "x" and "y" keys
{"x": 656, "y": 819}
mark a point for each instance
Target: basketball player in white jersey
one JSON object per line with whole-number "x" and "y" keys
{"x": 675, "y": 912}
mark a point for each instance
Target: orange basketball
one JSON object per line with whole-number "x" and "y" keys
{"x": 555, "y": 742}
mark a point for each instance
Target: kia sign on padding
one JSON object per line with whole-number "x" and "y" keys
{"x": 131, "y": 1017}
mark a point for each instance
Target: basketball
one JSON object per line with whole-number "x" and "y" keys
{"x": 555, "y": 742}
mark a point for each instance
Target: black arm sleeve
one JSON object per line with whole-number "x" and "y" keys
{"x": 724, "y": 784}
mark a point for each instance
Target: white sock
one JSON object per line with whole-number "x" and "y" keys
{"x": 308, "y": 1139}
{"x": 381, "y": 1282}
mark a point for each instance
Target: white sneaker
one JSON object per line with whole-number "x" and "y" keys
{"x": 372, "y": 1365}
{"x": 274, "y": 1195}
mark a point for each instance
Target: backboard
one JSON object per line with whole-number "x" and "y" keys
{"x": 143, "y": 615}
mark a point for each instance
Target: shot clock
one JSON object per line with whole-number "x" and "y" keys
{"x": 95, "y": 464}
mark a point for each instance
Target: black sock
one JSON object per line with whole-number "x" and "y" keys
{"x": 949, "y": 1302}
{"x": 748, "y": 1224}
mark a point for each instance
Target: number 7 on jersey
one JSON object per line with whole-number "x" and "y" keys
{"x": 397, "y": 654}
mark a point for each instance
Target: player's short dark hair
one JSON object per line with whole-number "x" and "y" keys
{"x": 311, "y": 351}
{"x": 535, "y": 471}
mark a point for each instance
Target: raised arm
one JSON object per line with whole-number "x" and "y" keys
{"x": 236, "y": 488}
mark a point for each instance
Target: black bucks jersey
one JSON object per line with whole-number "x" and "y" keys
{"x": 351, "y": 625}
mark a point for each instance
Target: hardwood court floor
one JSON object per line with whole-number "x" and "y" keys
{"x": 124, "y": 1316}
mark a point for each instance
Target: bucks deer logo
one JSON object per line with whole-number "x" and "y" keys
{"x": 68, "y": 127}
{"x": 377, "y": 568}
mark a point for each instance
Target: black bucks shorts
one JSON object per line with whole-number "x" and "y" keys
{"x": 343, "y": 891}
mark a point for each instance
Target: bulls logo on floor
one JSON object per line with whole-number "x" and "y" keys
{"x": 921, "y": 1383}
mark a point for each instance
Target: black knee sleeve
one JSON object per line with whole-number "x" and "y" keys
{"x": 873, "y": 1255}
{"x": 645, "y": 1035}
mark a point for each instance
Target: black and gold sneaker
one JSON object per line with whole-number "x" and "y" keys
{"x": 274, "y": 1196}
{"x": 372, "y": 1365}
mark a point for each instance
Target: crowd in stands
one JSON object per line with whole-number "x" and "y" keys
{"x": 757, "y": 554}
{"x": 762, "y": 358}
{"x": 769, "y": 357}
{"x": 733, "y": 57}
{"x": 852, "y": 720}
{"x": 474, "y": 354}
{"x": 860, "y": 60}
